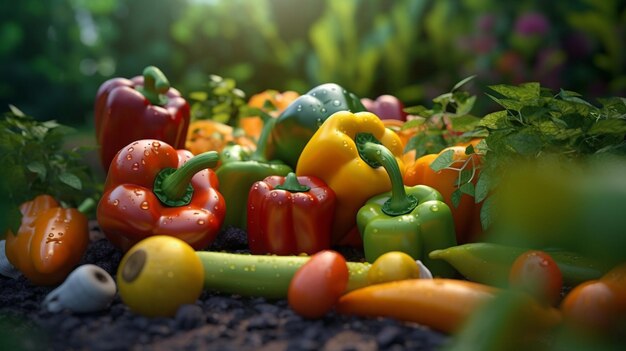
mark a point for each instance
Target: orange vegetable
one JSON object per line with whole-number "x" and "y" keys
{"x": 50, "y": 242}
{"x": 209, "y": 135}
{"x": 467, "y": 214}
{"x": 396, "y": 126}
{"x": 598, "y": 305}
{"x": 252, "y": 125}
{"x": 442, "y": 304}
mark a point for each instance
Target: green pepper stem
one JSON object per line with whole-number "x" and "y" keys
{"x": 376, "y": 155}
{"x": 292, "y": 185}
{"x": 87, "y": 205}
{"x": 155, "y": 86}
{"x": 261, "y": 146}
{"x": 173, "y": 186}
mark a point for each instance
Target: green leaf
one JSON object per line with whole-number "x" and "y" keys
{"x": 486, "y": 213}
{"x": 456, "y": 198}
{"x": 483, "y": 187}
{"x": 445, "y": 159}
{"x": 469, "y": 149}
{"x": 495, "y": 120}
{"x": 416, "y": 122}
{"x": 464, "y": 123}
{"x": 16, "y": 111}
{"x": 523, "y": 92}
{"x": 466, "y": 106}
{"x": 509, "y": 104}
{"x": 463, "y": 82}
{"x": 198, "y": 95}
{"x": 526, "y": 142}
{"x": 443, "y": 98}
{"x": 468, "y": 188}
{"x": 608, "y": 126}
{"x": 419, "y": 111}
{"x": 71, "y": 180}
{"x": 38, "y": 168}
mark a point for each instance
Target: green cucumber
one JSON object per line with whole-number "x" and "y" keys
{"x": 262, "y": 275}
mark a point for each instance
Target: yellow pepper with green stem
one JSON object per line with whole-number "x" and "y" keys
{"x": 332, "y": 155}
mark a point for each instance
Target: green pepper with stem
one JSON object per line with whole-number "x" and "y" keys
{"x": 237, "y": 176}
{"x": 414, "y": 220}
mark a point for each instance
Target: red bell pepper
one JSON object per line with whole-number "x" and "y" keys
{"x": 154, "y": 189}
{"x": 290, "y": 215}
{"x": 142, "y": 108}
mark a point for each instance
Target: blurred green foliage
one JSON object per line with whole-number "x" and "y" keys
{"x": 56, "y": 53}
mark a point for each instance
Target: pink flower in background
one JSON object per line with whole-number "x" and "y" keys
{"x": 531, "y": 24}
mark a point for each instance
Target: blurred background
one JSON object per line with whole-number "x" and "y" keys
{"x": 56, "y": 53}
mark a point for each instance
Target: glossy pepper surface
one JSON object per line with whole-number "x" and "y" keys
{"x": 50, "y": 242}
{"x": 412, "y": 220}
{"x": 270, "y": 101}
{"x": 332, "y": 155}
{"x": 467, "y": 214}
{"x": 237, "y": 176}
{"x": 490, "y": 263}
{"x": 154, "y": 189}
{"x": 140, "y": 108}
{"x": 297, "y": 124}
{"x": 442, "y": 304}
{"x": 290, "y": 215}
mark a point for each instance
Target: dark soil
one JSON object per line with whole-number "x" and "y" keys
{"x": 216, "y": 321}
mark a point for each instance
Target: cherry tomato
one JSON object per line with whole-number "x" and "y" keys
{"x": 537, "y": 273}
{"x": 616, "y": 277}
{"x": 596, "y": 305}
{"x": 394, "y": 265}
{"x": 158, "y": 275}
{"x": 316, "y": 286}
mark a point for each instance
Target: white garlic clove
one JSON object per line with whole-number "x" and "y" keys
{"x": 88, "y": 288}
{"x": 6, "y": 268}
{"x": 424, "y": 271}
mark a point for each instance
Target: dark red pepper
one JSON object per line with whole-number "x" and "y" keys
{"x": 142, "y": 108}
{"x": 154, "y": 189}
{"x": 290, "y": 215}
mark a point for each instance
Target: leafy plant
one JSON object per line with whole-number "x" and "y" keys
{"x": 539, "y": 125}
{"x": 446, "y": 123}
{"x": 35, "y": 162}
{"x": 222, "y": 101}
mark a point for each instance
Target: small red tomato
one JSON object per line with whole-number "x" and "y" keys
{"x": 316, "y": 286}
{"x": 537, "y": 273}
{"x": 596, "y": 305}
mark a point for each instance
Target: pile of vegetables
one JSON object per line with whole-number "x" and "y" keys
{"x": 463, "y": 225}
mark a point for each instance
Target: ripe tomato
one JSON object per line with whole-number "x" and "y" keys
{"x": 537, "y": 273}
{"x": 318, "y": 284}
{"x": 596, "y": 305}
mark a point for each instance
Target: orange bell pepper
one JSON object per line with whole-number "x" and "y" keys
{"x": 467, "y": 213}
{"x": 209, "y": 135}
{"x": 50, "y": 242}
{"x": 253, "y": 125}
{"x": 396, "y": 126}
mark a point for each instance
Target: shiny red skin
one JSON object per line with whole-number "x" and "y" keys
{"x": 129, "y": 211}
{"x": 386, "y": 107}
{"x": 317, "y": 286}
{"x": 285, "y": 223}
{"x": 123, "y": 115}
{"x": 537, "y": 272}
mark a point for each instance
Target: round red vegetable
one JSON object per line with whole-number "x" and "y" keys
{"x": 537, "y": 273}
{"x": 595, "y": 305}
{"x": 316, "y": 286}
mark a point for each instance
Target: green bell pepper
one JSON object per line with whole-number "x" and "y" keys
{"x": 236, "y": 177}
{"x": 414, "y": 220}
{"x": 300, "y": 120}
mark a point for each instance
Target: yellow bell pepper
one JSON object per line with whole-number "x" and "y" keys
{"x": 332, "y": 155}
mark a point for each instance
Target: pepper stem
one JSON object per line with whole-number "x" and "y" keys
{"x": 173, "y": 186}
{"x": 155, "y": 86}
{"x": 292, "y": 185}
{"x": 376, "y": 155}
{"x": 87, "y": 205}
{"x": 261, "y": 146}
